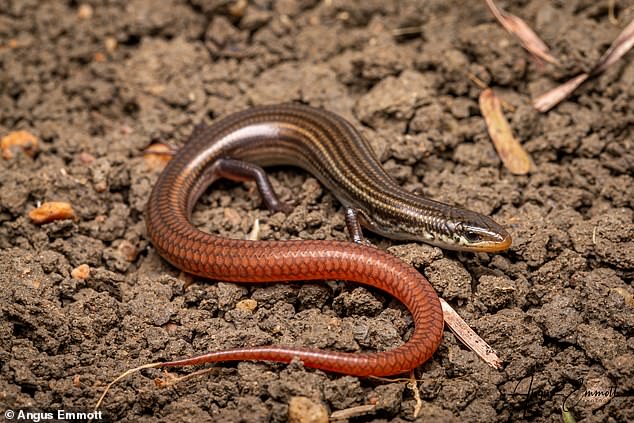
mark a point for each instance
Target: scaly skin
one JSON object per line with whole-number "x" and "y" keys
{"x": 332, "y": 150}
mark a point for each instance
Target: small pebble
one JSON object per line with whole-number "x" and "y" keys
{"x": 110, "y": 44}
{"x": 22, "y": 140}
{"x": 81, "y": 272}
{"x": 51, "y": 211}
{"x": 84, "y": 11}
{"x": 170, "y": 328}
{"x": 238, "y": 8}
{"x": 305, "y": 410}
{"x": 157, "y": 155}
{"x": 247, "y": 304}
{"x": 127, "y": 250}
{"x": 86, "y": 158}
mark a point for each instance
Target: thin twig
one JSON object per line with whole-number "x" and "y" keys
{"x": 123, "y": 375}
{"x": 611, "y": 16}
{"x": 413, "y": 386}
{"x": 407, "y": 30}
{"x": 468, "y": 337}
{"x": 480, "y": 83}
{"x": 483, "y": 85}
{"x": 172, "y": 380}
{"x": 351, "y": 412}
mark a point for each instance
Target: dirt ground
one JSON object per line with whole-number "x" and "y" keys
{"x": 97, "y": 82}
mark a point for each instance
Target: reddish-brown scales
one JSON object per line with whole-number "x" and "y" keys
{"x": 323, "y": 260}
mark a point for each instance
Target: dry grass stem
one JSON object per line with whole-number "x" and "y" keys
{"x": 621, "y": 45}
{"x": 351, "y": 412}
{"x": 413, "y": 386}
{"x": 124, "y": 375}
{"x": 517, "y": 27}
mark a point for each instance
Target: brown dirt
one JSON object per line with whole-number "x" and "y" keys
{"x": 103, "y": 85}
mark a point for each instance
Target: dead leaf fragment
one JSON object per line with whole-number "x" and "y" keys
{"x": 157, "y": 156}
{"x": 551, "y": 98}
{"x": 621, "y": 45}
{"x": 469, "y": 337}
{"x": 81, "y": 272}
{"x": 51, "y": 211}
{"x": 254, "y": 235}
{"x": 514, "y": 157}
{"x": 517, "y": 27}
{"x": 22, "y": 140}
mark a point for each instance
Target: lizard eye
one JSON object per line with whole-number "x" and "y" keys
{"x": 472, "y": 236}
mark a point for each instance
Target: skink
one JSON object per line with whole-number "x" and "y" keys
{"x": 329, "y": 147}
